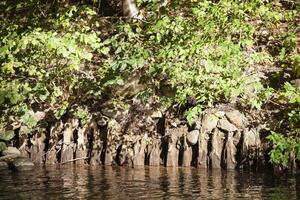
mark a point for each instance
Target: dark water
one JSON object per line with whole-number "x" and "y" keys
{"x": 78, "y": 182}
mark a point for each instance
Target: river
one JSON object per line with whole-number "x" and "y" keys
{"x": 86, "y": 182}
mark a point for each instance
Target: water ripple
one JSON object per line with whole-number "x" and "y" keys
{"x": 83, "y": 182}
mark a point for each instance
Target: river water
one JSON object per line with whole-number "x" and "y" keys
{"x": 84, "y": 182}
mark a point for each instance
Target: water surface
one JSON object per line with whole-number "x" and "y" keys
{"x": 84, "y": 182}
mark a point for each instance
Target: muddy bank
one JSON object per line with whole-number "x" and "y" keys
{"x": 223, "y": 137}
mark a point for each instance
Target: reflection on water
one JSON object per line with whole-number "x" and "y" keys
{"x": 78, "y": 182}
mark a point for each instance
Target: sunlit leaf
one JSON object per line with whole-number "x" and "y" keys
{"x": 7, "y": 135}
{"x": 2, "y": 146}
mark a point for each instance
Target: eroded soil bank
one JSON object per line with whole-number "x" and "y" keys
{"x": 224, "y": 137}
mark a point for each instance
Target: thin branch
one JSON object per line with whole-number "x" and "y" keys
{"x": 82, "y": 158}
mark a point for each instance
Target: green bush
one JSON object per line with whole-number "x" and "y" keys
{"x": 283, "y": 147}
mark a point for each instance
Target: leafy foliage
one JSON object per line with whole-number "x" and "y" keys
{"x": 283, "y": 147}
{"x": 5, "y": 137}
{"x": 287, "y": 142}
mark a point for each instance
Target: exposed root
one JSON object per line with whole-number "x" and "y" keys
{"x": 220, "y": 139}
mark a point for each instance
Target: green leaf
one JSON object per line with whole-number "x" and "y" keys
{"x": 29, "y": 120}
{"x": 104, "y": 50}
{"x": 192, "y": 114}
{"x": 7, "y": 135}
{"x": 61, "y": 111}
{"x": 2, "y": 97}
{"x": 2, "y": 146}
{"x": 88, "y": 56}
{"x": 57, "y": 92}
{"x": 14, "y": 97}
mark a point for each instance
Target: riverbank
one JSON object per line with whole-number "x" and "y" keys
{"x": 210, "y": 84}
{"x": 222, "y": 138}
